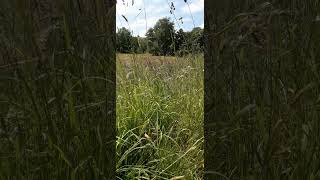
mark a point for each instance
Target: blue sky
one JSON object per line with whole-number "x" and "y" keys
{"x": 133, "y": 10}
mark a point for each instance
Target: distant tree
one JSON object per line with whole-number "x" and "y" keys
{"x": 127, "y": 43}
{"x": 143, "y": 45}
{"x": 161, "y": 37}
{"x": 124, "y": 40}
{"x": 152, "y": 42}
{"x": 179, "y": 39}
{"x": 193, "y": 42}
{"x": 135, "y": 44}
{"x": 197, "y": 39}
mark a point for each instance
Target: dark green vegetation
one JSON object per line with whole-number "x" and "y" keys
{"x": 160, "y": 103}
{"x": 262, "y": 117}
{"x": 57, "y": 82}
{"x": 162, "y": 39}
{"x": 159, "y": 117}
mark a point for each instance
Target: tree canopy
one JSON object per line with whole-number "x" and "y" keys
{"x": 162, "y": 39}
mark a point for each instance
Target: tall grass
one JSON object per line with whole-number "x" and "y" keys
{"x": 159, "y": 117}
{"x": 57, "y": 82}
{"x": 262, "y": 90}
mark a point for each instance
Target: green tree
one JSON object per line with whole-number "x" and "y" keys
{"x": 179, "y": 39}
{"x": 193, "y": 42}
{"x": 197, "y": 39}
{"x": 161, "y": 37}
{"x": 143, "y": 45}
{"x": 135, "y": 44}
{"x": 124, "y": 40}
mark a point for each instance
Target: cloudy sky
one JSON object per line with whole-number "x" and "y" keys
{"x": 133, "y": 10}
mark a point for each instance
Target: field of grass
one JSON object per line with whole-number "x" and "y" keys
{"x": 262, "y": 93}
{"x": 159, "y": 117}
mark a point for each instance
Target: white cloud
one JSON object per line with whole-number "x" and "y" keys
{"x": 195, "y": 6}
{"x": 155, "y": 9}
{"x": 126, "y": 7}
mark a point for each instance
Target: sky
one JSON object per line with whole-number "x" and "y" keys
{"x": 133, "y": 10}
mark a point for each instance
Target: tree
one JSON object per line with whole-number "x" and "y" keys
{"x": 179, "y": 39}
{"x": 193, "y": 42}
{"x": 161, "y": 37}
{"x": 134, "y": 44}
{"x": 197, "y": 39}
{"x": 124, "y": 40}
{"x": 143, "y": 45}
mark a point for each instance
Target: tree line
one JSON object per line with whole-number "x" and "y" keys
{"x": 162, "y": 39}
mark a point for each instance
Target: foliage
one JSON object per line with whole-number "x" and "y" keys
{"x": 262, "y": 90}
{"x": 162, "y": 39}
{"x": 192, "y": 42}
{"x": 159, "y": 117}
{"x": 57, "y": 90}
{"x": 125, "y": 42}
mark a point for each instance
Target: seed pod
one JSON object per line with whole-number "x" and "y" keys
{"x": 124, "y": 18}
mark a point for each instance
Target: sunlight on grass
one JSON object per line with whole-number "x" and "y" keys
{"x": 159, "y": 117}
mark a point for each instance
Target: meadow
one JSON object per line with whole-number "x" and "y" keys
{"x": 159, "y": 117}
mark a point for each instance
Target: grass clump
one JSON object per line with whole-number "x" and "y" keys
{"x": 57, "y": 90}
{"x": 159, "y": 117}
{"x": 262, "y": 95}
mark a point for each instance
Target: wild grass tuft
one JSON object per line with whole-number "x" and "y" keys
{"x": 159, "y": 117}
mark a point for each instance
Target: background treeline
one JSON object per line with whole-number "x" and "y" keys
{"x": 162, "y": 39}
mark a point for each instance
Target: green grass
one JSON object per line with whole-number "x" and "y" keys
{"x": 159, "y": 117}
{"x": 262, "y": 99}
{"x": 57, "y": 90}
